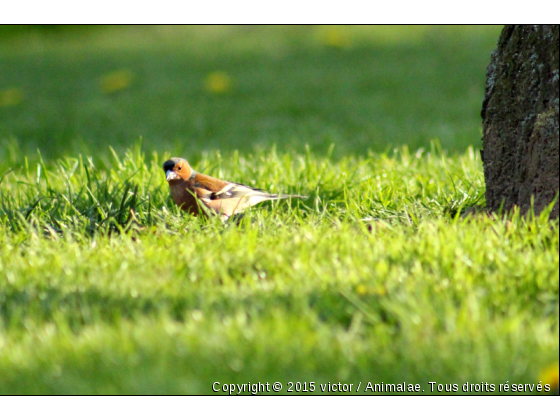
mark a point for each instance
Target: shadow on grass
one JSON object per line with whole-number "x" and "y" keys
{"x": 80, "y": 308}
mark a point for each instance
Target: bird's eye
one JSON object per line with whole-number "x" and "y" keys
{"x": 179, "y": 168}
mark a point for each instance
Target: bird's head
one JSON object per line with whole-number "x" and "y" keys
{"x": 177, "y": 169}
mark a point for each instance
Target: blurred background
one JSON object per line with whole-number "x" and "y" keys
{"x": 183, "y": 90}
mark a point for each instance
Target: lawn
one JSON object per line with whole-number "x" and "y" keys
{"x": 390, "y": 272}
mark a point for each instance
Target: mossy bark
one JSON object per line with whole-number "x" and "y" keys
{"x": 520, "y": 119}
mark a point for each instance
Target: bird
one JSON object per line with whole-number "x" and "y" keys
{"x": 204, "y": 195}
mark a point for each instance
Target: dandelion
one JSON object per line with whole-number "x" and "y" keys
{"x": 115, "y": 81}
{"x": 336, "y": 38}
{"x": 11, "y": 97}
{"x": 218, "y": 82}
{"x": 361, "y": 289}
{"x": 550, "y": 376}
{"x": 381, "y": 291}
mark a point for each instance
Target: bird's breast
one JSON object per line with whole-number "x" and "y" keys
{"x": 180, "y": 192}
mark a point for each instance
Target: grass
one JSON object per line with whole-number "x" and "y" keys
{"x": 384, "y": 274}
{"x": 361, "y": 88}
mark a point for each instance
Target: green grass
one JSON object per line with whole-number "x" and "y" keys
{"x": 382, "y": 88}
{"x": 384, "y": 274}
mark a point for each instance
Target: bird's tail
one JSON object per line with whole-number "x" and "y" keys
{"x": 282, "y": 196}
{"x": 256, "y": 196}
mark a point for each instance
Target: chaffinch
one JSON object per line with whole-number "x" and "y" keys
{"x": 190, "y": 189}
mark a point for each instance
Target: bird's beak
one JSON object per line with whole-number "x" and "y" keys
{"x": 170, "y": 175}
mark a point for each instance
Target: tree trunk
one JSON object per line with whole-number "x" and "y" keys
{"x": 520, "y": 119}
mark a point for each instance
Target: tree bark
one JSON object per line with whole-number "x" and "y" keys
{"x": 520, "y": 119}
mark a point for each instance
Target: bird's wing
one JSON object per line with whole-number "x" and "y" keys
{"x": 232, "y": 190}
{"x": 228, "y": 198}
{"x": 231, "y": 198}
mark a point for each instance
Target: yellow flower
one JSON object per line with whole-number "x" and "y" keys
{"x": 115, "y": 81}
{"x": 335, "y": 37}
{"x": 218, "y": 82}
{"x": 550, "y": 376}
{"x": 361, "y": 289}
{"x": 11, "y": 97}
